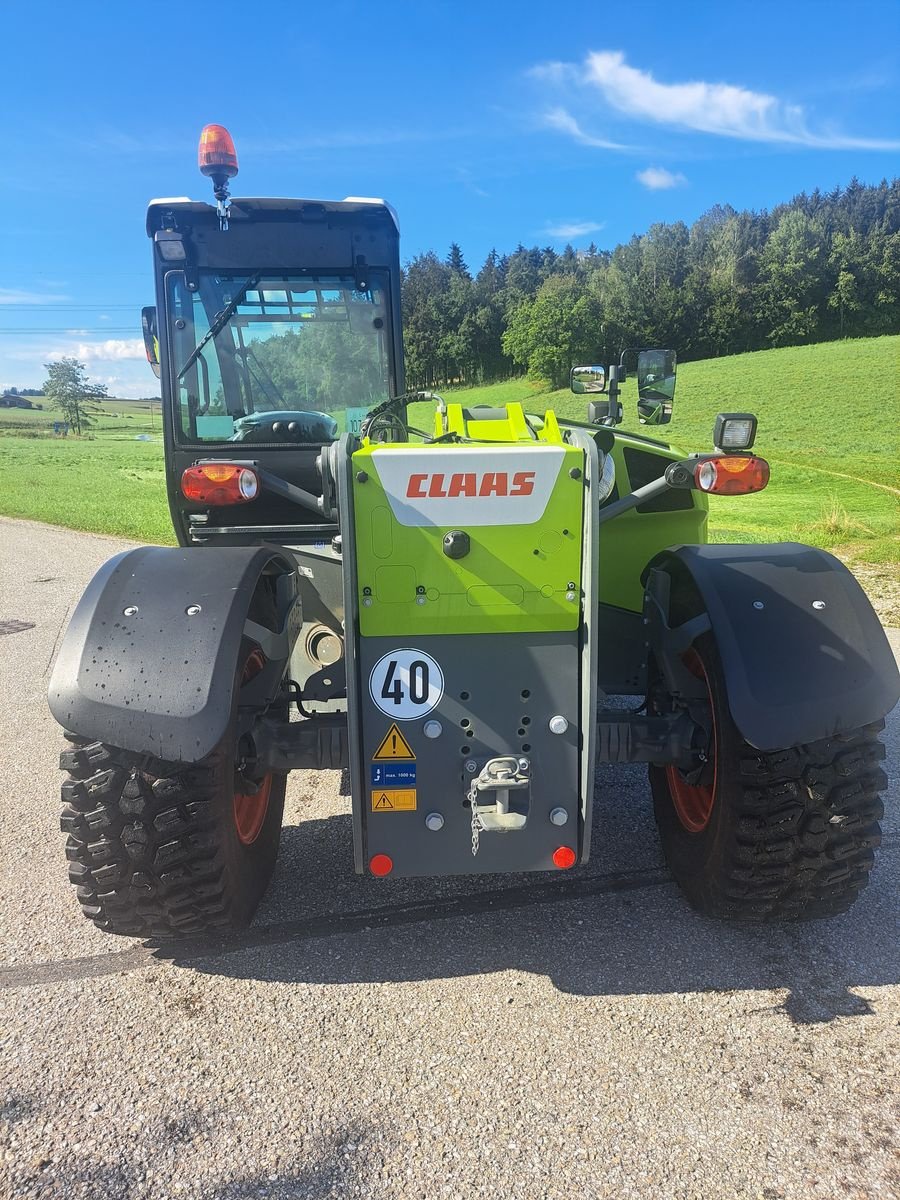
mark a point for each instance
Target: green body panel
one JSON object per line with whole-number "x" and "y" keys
{"x": 515, "y": 578}
{"x": 629, "y": 542}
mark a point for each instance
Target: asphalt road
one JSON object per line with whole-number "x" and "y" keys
{"x": 586, "y": 1036}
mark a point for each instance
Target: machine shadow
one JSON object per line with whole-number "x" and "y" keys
{"x": 589, "y": 932}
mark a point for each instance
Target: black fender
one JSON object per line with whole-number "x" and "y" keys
{"x": 149, "y": 659}
{"x": 803, "y": 652}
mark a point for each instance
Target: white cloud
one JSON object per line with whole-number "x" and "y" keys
{"x": 563, "y": 121}
{"x": 658, "y": 178}
{"x": 573, "y": 229}
{"x": 15, "y": 296}
{"x": 119, "y": 363}
{"x": 721, "y": 109}
{"x": 110, "y": 350}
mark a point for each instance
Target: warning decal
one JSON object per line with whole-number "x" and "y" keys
{"x": 403, "y": 800}
{"x": 393, "y": 745}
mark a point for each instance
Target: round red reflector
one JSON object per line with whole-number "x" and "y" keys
{"x": 564, "y": 857}
{"x": 216, "y": 154}
{"x": 381, "y": 864}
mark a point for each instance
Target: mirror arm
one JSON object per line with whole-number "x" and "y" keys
{"x": 678, "y": 475}
{"x": 290, "y": 491}
{"x": 640, "y": 496}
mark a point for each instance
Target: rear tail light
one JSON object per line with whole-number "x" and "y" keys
{"x": 731, "y": 474}
{"x": 220, "y": 483}
{"x": 381, "y": 865}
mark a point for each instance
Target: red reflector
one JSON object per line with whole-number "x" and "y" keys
{"x": 732, "y": 474}
{"x": 216, "y": 154}
{"x": 564, "y": 857}
{"x": 381, "y": 864}
{"x": 220, "y": 483}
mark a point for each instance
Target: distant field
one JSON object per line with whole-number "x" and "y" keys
{"x": 829, "y": 424}
{"x": 108, "y": 483}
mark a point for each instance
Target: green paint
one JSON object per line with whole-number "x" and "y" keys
{"x": 514, "y": 578}
{"x": 629, "y": 542}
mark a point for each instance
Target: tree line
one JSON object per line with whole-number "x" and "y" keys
{"x": 824, "y": 266}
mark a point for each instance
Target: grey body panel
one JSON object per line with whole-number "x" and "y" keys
{"x": 160, "y": 681}
{"x": 494, "y": 670}
{"x": 343, "y": 466}
{"x": 589, "y": 633}
{"x": 621, "y": 638}
{"x": 803, "y": 652}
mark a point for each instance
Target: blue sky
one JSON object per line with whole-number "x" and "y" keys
{"x": 484, "y": 123}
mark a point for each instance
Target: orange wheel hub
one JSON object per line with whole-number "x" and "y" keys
{"x": 694, "y": 803}
{"x": 250, "y": 810}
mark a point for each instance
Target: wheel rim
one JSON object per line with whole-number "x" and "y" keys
{"x": 250, "y": 808}
{"x": 694, "y": 803}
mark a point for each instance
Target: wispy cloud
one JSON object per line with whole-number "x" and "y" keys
{"x": 721, "y": 109}
{"x": 572, "y": 229}
{"x": 563, "y": 121}
{"x": 466, "y": 178}
{"x": 657, "y": 179}
{"x": 15, "y": 296}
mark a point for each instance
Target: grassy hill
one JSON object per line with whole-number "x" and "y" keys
{"x": 829, "y": 419}
{"x": 829, "y": 424}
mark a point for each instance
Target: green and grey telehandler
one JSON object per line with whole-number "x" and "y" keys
{"x": 443, "y": 612}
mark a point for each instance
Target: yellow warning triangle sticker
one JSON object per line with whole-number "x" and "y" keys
{"x": 383, "y": 801}
{"x": 393, "y": 745}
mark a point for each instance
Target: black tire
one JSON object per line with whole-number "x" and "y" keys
{"x": 791, "y": 834}
{"x": 154, "y": 848}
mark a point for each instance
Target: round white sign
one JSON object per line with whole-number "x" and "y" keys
{"x": 406, "y": 684}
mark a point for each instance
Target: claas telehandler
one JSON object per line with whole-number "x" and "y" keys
{"x": 451, "y": 614}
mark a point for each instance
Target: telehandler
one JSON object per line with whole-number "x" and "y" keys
{"x": 445, "y": 613}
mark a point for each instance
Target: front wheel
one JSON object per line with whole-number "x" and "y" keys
{"x": 779, "y": 835}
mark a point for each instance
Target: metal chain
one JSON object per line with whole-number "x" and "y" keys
{"x": 477, "y": 823}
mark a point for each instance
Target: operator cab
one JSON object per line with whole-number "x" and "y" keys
{"x": 276, "y": 329}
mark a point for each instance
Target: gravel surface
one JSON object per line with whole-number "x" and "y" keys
{"x": 504, "y": 1037}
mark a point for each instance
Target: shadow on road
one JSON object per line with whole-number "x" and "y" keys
{"x": 590, "y": 932}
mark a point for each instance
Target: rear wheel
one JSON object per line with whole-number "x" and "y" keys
{"x": 160, "y": 849}
{"x": 786, "y": 834}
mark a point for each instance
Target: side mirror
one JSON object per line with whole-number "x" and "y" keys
{"x": 151, "y": 338}
{"x": 587, "y": 379}
{"x": 656, "y": 386}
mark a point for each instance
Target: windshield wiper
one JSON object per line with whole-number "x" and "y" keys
{"x": 218, "y": 324}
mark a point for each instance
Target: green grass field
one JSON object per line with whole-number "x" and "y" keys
{"x": 829, "y": 424}
{"x": 825, "y": 412}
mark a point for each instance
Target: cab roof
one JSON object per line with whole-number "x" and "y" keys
{"x": 244, "y": 206}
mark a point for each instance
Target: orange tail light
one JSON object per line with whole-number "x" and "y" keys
{"x": 220, "y": 483}
{"x": 731, "y": 474}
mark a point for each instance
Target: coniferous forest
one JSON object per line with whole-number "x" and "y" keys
{"x": 824, "y": 266}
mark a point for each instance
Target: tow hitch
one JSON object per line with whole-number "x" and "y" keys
{"x": 500, "y": 776}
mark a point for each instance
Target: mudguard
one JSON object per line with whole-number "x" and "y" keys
{"x": 804, "y": 655}
{"x": 149, "y": 659}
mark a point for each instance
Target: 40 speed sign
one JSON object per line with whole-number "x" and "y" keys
{"x": 406, "y": 684}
